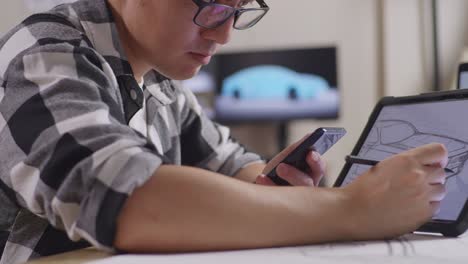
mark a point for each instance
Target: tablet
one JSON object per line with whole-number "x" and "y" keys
{"x": 398, "y": 124}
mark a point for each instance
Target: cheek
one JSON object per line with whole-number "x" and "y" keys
{"x": 180, "y": 29}
{"x": 181, "y": 39}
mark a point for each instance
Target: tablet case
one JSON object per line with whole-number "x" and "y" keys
{"x": 447, "y": 228}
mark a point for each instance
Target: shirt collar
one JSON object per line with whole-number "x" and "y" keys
{"x": 95, "y": 19}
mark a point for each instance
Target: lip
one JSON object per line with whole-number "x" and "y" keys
{"x": 201, "y": 57}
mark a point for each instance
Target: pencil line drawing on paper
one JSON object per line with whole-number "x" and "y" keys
{"x": 390, "y": 137}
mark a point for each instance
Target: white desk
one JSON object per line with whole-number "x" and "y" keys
{"x": 408, "y": 249}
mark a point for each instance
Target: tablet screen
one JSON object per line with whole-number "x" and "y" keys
{"x": 402, "y": 127}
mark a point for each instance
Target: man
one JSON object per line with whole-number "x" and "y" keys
{"x": 100, "y": 147}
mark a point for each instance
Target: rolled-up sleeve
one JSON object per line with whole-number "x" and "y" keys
{"x": 69, "y": 155}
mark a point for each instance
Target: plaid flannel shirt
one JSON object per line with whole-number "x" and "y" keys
{"x": 78, "y": 134}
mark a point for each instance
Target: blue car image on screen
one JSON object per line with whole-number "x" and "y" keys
{"x": 276, "y": 93}
{"x": 271, "y": 81}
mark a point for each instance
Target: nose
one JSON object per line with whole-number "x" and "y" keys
{"x": 221, "y": 34}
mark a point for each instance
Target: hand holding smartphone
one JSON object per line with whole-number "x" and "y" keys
{"x": 320, "y": 140}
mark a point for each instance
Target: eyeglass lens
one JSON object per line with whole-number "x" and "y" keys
{"x": 248, "y": 18}
{"x": 214, "y": 15}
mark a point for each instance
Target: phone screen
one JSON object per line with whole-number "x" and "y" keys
{"x": 326, "y": 141}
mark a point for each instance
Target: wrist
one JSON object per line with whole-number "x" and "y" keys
{"x": 332, "y": 218}
{"x": 350, "y": 207}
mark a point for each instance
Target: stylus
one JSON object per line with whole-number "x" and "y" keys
{"x": 358, "y": 160}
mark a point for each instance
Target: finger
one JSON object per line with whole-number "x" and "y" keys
{"x": 435, "y": 208}
{"x": 316, "y": 166}
{"x": 437, "y": 192}
{"x": 435, "y": 174}
{"x": 264, "y": 180}
{"x": 431, "y": 154}
{"x": 294, "y": 176}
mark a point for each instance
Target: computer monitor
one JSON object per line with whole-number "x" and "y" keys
{"x": 270, "y": 85}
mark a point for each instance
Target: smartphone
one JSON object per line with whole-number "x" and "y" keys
{"x": 320, "y": 140}
{"x": 462, "y": 82}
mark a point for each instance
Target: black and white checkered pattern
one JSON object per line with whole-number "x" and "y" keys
{"x": 78, "y": 134}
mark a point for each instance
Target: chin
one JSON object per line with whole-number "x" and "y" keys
{"x": 182, "y": 74}
{"x": 182, "y": 70}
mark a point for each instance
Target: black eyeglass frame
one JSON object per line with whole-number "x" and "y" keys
{"x": 237, "y": 12}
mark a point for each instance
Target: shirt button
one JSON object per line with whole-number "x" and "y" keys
{"x": 133, "y": 95}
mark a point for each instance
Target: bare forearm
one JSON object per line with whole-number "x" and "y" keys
{"x": 188, "y": 209}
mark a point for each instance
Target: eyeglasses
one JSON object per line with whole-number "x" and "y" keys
{"x": 211, "y": 14}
